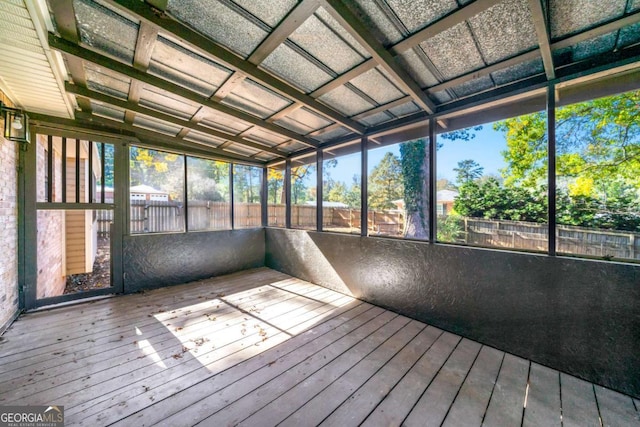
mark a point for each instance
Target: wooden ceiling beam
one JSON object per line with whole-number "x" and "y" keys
{"x": 210, "y": 49}
{"x": 127, "y": 70}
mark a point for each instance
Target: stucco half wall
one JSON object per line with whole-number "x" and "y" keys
{"x": 158, "y": 260}
{"x": 578, "y": 316}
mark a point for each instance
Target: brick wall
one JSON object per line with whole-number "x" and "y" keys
{"x": 8, "y": 231}
{"x": 51, "y": 226}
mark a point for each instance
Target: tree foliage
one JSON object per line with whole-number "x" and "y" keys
{"x": 468, "y": 170}
{"x": 415, "y": 172}
{"x": 386, "y": 183}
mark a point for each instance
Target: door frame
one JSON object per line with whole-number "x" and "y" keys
{"x": 28, "y": 208}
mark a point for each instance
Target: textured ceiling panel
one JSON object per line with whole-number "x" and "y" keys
{"x": 416, "y": 15}
{"x": 108, "y": 111}
{"x": 517, "y": 72}
{"x": 156, "y": 125}
{"x": 570, "y": 16}
{"x": 453, "y": 51}
{"x": 504, "y": 30}
{"x": 219, "y": 22}
{"x": 375, "y": 85}
{"x": 332, "y": 134}
{"x": 633, "y": 6}
{"x": 325, "y": 45}
{"x": 474, "y": 86}
{"x": 168, "y": 103}
{"x": 241, "y": 149}
{"x": 376, "y": 119}
{"x": 223, "y": 122}
{"x": 186, "y": 68}
{"x": 255, "y": 99}
{"x": 417, "y": 69}
{"x": 309, "y": 118}
{"x": 346, "y": 101}
{"x": 629, "y": 35}
{"x": 404, "y": 109}
{"x": 369, "y": 13}
{"x": 103, "y": 29}
{"x": 264, "y": 137}
{"x": 106, "y": 81}
{"x": 288, "y": 64}
{"x": 203, "y": 138}
{"x": 330, "y": 22}
{"x": 271, "y": 12}
{"x": 595, "y": 46}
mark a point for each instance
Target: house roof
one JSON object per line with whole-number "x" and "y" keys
{"x": 446, "y": 195}
{"x": 262, "y": 81}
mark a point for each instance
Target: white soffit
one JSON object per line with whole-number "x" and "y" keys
{"x": 30, "y": 74}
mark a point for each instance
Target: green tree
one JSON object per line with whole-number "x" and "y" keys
{"x": 158, "y": 169}
{"x": 468, "y": 170}
{"x": 385, "y": 183}
{"x": 275, "y": 185}
{"x": 415, "y": 171}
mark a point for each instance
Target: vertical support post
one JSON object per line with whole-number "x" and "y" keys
{"x": 231, "y": 196}
{"x": 50, "y": 161}
{"x": 103, "y": 172}
{"x": 433, "y": 186}
{"x": 364, "y": 189}
{"x": 121, "y": 200}
{"x": 64, "y": 170}
{"x": 27, "y": 225}
{"x": 264, "y": 194}
{"x": 90, "y": 181}
{"x": 287, "y": 193}
{"x": 77, "y": 171}
{"x": 551, "y": 170}
{"x": 185, "y": 195}
{"x": 319, "y": 184}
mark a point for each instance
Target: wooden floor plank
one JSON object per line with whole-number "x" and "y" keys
{"x": 328, "y": 399}
{"x": 616, "y": 409}
{"x": 260, "y": 347}
{"x": 361, "y": 403}
{"x": 397, "y": 404}
{"x": 579, "y": 407}
{"x": 507, "y": 400}
{"x": 359, "y": 342}
{"x": 434, "y": 404}
{"x": 97, "y": 380}
{"x": 119, "y": 345}
{"x": 166, "y": 344}
{"x": 471, "y": 403}
{"x": 543, "y": 398}
{"x": 171, "y": 395}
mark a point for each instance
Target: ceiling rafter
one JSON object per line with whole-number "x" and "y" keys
{"x": 212, "y": 50}
{"x": 165, "y": 141}
{"x": 87, "y": 55}
{"x": 66, "y": 24}
{"x": 630, "y": 19}
{"x": 147, "y": 38}
{"x": 382, "y": 56}
{"x": 542, "y": 31}
{"x": 167, "y": 118}
{"x": 448, "y": 21}
{"x": 284, "y": 29}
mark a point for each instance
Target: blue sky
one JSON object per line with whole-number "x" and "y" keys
{"x": 485, "y": 149}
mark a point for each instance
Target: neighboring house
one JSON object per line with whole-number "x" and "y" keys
{"x": 146, "y": 192}
{"x": 444, "y": 201}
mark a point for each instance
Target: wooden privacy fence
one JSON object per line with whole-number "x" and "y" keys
{"x": 161, "y": 216}
{"x": 533, "y": 236}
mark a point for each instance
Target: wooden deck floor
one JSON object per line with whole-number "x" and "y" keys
{"x": 261, "y": 348}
